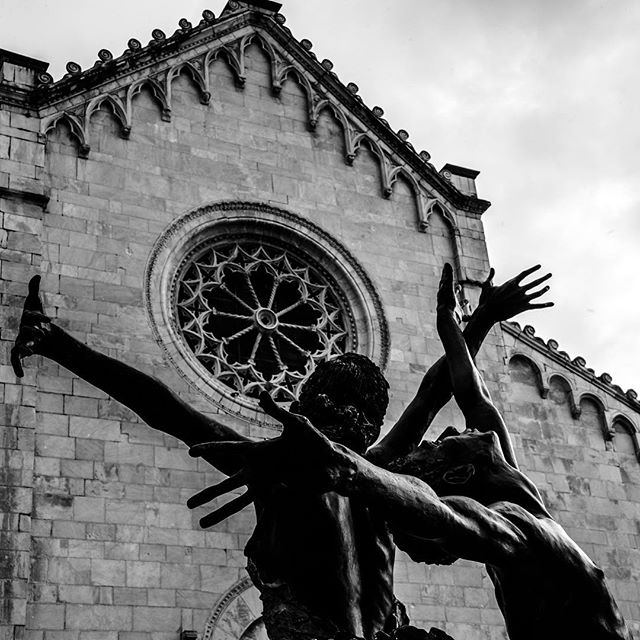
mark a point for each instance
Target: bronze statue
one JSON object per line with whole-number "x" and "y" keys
{"x": 464, "y": 497}
{"x": 323, "y": 561}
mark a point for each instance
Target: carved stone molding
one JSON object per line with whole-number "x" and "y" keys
{"x": 192, "y": 50}
{"x": 236, "y": 615}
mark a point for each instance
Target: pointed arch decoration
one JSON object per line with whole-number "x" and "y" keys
{"x": 291, "y": 72}
{"x": 435, "y": 206}
{"x": 317, "y": 106}
{"x": 156, "y": 90}
{"x": 571, "y": 394}
{"x": 192, "y": 72}
{"x": 198, "y": 66}
{"x": 234, "y": 57}
{"x": 400, "y": 172}
{"x": 117, "y": 108}
{"x": 608, "y": 431}
{"x": 364, "y": 137}
{"x": 356, "y": 143}
{"x": 543, "y": 390}
{"x": 76, "y": 126}
{"x": 274, "y": 59}
{"x": 631, "y": 429}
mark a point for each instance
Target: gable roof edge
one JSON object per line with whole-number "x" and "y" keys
{"x": 137, "y": 57}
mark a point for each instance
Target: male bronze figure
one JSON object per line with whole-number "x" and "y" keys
{"x": 464, "y": 497}
{"x": 323, "y": 562}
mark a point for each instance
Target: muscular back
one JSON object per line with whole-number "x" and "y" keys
{"x": 551, "y": 589}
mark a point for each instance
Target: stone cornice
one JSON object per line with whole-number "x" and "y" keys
{"x": 577, "y": 365}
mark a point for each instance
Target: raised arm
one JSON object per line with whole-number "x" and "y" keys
{"x": 469, "y": 389}
{"x": 496, "y": 303}
{"x": 147, "y": 396}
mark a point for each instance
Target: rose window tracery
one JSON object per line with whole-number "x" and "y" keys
{"x": 258, "y": 316}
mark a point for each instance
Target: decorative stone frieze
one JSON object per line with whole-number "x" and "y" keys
{"x": 581, "y": 383}
{"x": 114, "y": 83}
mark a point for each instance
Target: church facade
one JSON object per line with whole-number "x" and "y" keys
{"x": 217, "y": 208}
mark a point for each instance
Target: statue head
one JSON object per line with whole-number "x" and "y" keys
{"x": 346, "y": 398}
{"x": 471, "y": 464}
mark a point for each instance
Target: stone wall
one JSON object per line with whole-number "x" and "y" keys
{"x": 21, "y": 222}
{"x": 97, "y": 539}
{"x": 115, "y": 552}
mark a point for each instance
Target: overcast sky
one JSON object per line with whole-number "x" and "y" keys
{"x": 541, "y": 96}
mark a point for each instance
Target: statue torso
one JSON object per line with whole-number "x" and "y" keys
{"x": 330, "y": 554}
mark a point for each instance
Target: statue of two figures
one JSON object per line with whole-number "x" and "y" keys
{"x": 332, "y": 502}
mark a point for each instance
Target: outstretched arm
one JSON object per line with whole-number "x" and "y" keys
{"x": 496, "y": 303}
{"x": 306, "y": 461}
{"x": 147, "y": 396}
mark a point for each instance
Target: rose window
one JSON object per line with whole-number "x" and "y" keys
{"x": 257, "y": 316}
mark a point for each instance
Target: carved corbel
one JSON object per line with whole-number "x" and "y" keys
{"x": 387, "y": 184}
{"x": 609, "y": 430}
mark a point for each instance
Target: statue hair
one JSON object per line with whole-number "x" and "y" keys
{"x": 348, "y": 394}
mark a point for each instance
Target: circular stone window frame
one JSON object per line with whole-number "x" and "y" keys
{"x": 369, "y": 328}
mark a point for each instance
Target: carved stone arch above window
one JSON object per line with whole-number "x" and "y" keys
{"x": 243, "y": 296}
